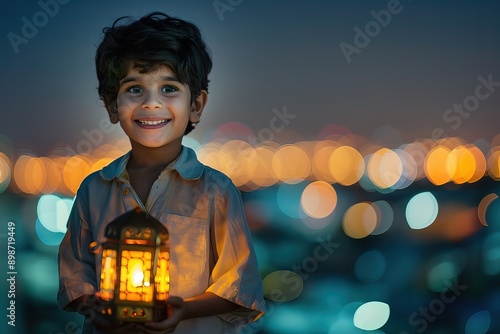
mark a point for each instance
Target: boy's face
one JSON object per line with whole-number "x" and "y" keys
{"x": 154, "y": 108}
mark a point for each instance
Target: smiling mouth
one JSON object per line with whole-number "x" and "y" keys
{"x": 152, "y": 122}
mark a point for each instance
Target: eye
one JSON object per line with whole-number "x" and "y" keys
{"x": 135, "y": 90}
{"x": 169, "y": 89}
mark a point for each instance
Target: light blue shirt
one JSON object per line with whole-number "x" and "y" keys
{"x": 210, "y": 243}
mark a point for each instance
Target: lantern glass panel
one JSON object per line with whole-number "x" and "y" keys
{"x": 162, "y": 278}
{"x": 108, "y": 274}
{"x": 135, "y": 276}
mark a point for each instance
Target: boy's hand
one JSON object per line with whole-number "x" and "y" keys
{"x": 91, "y": 307}
{"x": 176, "y": 310}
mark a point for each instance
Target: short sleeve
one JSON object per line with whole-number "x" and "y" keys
{"x": 235, "y": 275}
{"x": 77, "y": 274}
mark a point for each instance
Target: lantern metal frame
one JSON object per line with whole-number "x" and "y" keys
{"x": 135, "y": 279}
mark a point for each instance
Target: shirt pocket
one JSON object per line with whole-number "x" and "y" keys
{"x": 188, "y": 253}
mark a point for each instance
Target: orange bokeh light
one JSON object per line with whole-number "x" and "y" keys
{"x": 291, "y": 164}
{"x": 463, "y": 162}
{"x": 264, "y": 174}
{"x": 321, "y": 159}
{"x": 360, "y": 220}
{"x": 74, "y": 171}
{"x": 385, "y": 168}
{"x": 318, "y": 199}
{"x": 438, "y": 168}
{"x": 494, "y": 163}
{"x": 346, "y": 165}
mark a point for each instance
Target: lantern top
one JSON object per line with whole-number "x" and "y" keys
{"x": 136, "y": 227}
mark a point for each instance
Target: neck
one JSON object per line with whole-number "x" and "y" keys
{"x": 144, "y": 157}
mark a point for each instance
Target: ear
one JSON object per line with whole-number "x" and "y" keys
{"x": 112, "y": 109}
{"x": 197, "y": 106}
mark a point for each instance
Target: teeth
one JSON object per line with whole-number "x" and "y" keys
{"x": 152, "y": 122}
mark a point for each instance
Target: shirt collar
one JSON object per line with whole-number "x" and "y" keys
{"x": 187, "y": 165}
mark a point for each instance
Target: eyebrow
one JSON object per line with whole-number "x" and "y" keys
{"x": 132, "y": 79}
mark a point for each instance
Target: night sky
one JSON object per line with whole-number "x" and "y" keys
{"x": 390, "y": 72}
{"x": 397, "y": 81}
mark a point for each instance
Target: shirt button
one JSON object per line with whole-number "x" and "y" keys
{"x": 126, "y": 191}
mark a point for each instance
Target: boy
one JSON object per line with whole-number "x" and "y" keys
{"x": 153, "y": 80}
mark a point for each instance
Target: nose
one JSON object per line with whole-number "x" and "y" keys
{"x": 151, "y": 101}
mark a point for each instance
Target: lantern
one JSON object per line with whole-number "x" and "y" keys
{"x": 135, "y": 268}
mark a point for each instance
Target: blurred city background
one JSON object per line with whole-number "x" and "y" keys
{"x": 363, "y": 136}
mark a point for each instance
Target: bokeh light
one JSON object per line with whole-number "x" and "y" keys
{"x": 208, "y": 154}
{"x": 409, "y": 170}
{"x": 29, "y": 174}
{"x": 53, "y": 212}
{"x": 385, "y": 216}
{"x": 74, "y": 171}
{"x": 418, "y": 152}
{"x": 343, "y": 322}
{"x": 480, "y": 161}
{"x": 238, "y": 160}
{"x": 439, "y": 165}
{"x": 49, "y": 238}
{"x": 421, "y": 210}
{"x": 359, "y": 220}
{"x": 440, "y": 274}
{"x": 483, "y": 206}
{"x": 346, "y": 165}
{"x": 494, "y": 163}
{"x": 372, "y": 315}
{"x": 282, "y": 286}
{"x": 321, "y": 159}
{"x": 384, "y": 168}
{"x": 264, "y": 174}
{"x": 478, "y": 323}
{"x": 463, "y": 162}
{"x": 318, "y": 199}
{"x": 52, "y": 176}
{"x": 5, "y": 173}
{"x": 291, "y": 164}
{"x": 445, "y": 268}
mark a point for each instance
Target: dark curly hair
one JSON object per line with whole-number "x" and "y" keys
{"x": 154, "y": 40}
